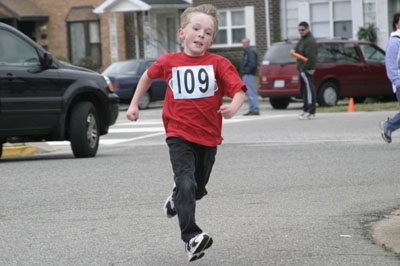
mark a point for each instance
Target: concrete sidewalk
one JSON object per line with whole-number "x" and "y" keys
{"x": 386, "y": 232}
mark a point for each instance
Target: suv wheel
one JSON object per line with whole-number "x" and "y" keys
{"x": 279, "y": 103}
{"x": 84, "y": 130}
{"x": 144, "y": 101}
{"x": 328, "y": 94}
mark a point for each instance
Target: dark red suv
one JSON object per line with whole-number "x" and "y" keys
{"x": 345, "y": 68}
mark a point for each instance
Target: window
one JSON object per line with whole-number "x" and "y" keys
{"x": 14, "y": 51}
{"x": 325, "y": 53}
{"x": 372, "y": 54}
{"x": 346, "y": 53}
{"x": 131, "y": 67}
{"x": 338, "y": 53}
{"x": 84, "y": 39}
{"x": 320, "y": 20}
{"x": 279, "y": 54}
{"x": 342, "y": 24}
{"x": 148, "y": 64}
{"x": 234, "y": 25}
{"x": 331, "y": 19}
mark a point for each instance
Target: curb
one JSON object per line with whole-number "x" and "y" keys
{"x": 12, "y": 151}
{"x": 386, "y": 232}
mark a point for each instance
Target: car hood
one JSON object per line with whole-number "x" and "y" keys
{"x": 121, "y": 76}
{"x": 69, "y": 66}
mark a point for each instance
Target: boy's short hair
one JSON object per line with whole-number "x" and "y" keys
{"x": 304, "y": 24}
{"x": 201, "y": 9}
{"x": 396, "y": 17}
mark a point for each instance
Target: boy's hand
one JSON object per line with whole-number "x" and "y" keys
{"x": 227, "y": 111}
{"x": 133, "y": 113}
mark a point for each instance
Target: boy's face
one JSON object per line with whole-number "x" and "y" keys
{"x": 197, "y": 35}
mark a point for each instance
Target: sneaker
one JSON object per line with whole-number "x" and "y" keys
{"x": 252, "y": 113}
{"x": 303, "y": 116}
{"x": 310, "y": 116}
{"x": 385, "y": 132}
{"x": 196, "y": 246}
{"x": 169, "y": 207}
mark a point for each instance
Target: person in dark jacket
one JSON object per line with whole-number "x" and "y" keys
{"x": 248, "y": 68}
{"x": 307, "y": 47}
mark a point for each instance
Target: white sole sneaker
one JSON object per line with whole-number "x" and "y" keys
{"x": 169, "y": 207}
{"x": 196, "y": 246}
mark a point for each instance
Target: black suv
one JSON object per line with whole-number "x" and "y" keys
{"x": 43, "y": 99}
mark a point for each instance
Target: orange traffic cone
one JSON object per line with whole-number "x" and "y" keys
{"x": 350, "y": 109}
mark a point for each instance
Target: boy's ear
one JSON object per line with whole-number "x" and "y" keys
{"x": 181, "y": 34}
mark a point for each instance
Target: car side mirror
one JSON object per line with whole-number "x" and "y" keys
{"x": 47, "y": 60}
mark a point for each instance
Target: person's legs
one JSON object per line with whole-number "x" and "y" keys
{"x": 251, "y": 93}
{"x": 303, "y": 92}
{"x": 183, "y": 160}
{"x": 204, "y": 163}
{"x": 394, "y": 123}
{"x": 309, "y": 91}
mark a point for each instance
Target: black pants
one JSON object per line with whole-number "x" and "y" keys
{"x": 192, "y": 164}
{"x": 308, "y": 92}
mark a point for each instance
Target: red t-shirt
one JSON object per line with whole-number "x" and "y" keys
{"x": 187, "y": 112}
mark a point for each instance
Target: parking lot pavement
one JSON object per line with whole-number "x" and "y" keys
{"x": 385, "y": 232}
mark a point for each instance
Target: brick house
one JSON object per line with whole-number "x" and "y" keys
{"x": 120, "y": 29}
{"x": 258, "y": 20}
{"x": 151, "y": 26}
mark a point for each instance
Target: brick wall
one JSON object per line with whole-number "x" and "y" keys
{"x": 57, "y": 35}
{"x": 235, "y": 54}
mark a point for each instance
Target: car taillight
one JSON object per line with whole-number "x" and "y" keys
{"x": 116, "y": 85}
{"x": 295, "y": 78}
{"x": 261, "y": 77}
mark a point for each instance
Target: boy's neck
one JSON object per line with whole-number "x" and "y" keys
{"x": 194, "y": 55}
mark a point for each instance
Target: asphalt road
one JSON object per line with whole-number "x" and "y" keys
{"x": 282, "y": 192}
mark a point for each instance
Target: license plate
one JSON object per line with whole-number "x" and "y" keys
{"x": 279, "y": 83}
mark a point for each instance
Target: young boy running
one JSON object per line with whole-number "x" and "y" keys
{"x": 192, "y": 116}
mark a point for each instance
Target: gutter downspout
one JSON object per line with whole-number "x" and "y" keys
{"x": 136, "y": 35}
{"x": 267, "y": 23}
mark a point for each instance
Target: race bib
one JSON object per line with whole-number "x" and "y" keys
{"x": 193, "y": 82}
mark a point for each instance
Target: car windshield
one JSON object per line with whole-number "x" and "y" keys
{"x": 123, "y": 68}
{"x": 280, "y": 54}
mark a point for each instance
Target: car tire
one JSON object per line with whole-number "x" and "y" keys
{"x": 1, "y": 149}
{"x": 328, "y": 94}
{"x": 359, "y": 99}
{"x": 279, "y": 103}
{"x": 84, "y": 130}
{"x": 145, "y": 101}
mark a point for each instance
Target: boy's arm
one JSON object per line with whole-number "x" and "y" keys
{"x": 229, "y": 110}
{"x": 143, "y": 85}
